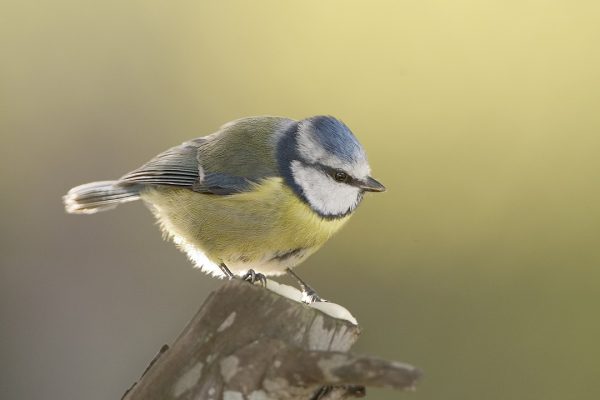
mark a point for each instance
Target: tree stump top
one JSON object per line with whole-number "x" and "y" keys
{"x": 247, "y": 342}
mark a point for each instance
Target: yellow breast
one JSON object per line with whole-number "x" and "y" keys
{"x": 267, "y": 229}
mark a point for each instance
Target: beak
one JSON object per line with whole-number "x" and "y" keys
{"x": 371, "y": 185}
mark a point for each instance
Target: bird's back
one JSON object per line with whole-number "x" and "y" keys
{"x": 245, "y": 147}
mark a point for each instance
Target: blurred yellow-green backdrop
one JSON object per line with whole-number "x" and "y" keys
{"x": 479, "y": 265}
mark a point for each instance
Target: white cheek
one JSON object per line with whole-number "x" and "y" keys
{"x": 324, "y": 194}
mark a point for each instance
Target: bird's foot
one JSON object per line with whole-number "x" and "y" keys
{"x": 252, "y": 276}
{"x": 309, "y": 295}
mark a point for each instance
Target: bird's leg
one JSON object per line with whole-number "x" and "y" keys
{"x": 309, "y": 295}
{"x": 252, "y": 276}
{"x": 228, "y": 274}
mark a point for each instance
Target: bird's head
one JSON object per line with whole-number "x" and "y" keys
{"x": 326, "y": 166}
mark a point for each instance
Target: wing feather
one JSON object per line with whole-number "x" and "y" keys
{"x": 229, "y": 161}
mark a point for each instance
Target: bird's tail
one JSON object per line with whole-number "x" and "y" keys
{"x": 99, "y": 196}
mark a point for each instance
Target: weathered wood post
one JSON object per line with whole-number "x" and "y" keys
{"x": 250, "y": 343}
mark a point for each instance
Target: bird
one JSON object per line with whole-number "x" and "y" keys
{"x": 253, "y": 199}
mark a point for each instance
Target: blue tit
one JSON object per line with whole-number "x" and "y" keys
{"x": 255, "y": 198}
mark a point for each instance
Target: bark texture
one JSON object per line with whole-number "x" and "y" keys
{"x": 248, "y": 343}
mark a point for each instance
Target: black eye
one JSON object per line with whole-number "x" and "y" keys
{"x": 340, "y": 176}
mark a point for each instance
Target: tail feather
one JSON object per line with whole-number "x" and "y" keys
{"x": 99, "y": 196}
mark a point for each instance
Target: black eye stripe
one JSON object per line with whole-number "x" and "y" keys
{"x": 332, "y": 172}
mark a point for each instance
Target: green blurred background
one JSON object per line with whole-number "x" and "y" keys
{"x": 479, "y": 265}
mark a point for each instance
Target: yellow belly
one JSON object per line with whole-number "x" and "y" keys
{"x": 267, "y": 229}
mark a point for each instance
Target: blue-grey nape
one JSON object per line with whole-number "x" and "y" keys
{"x": 286, "y": 152}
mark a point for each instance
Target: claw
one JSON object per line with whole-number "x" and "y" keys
{"x": 252, "y": 276}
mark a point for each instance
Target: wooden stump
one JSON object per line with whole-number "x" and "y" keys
{"x": 249, "y": 343}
